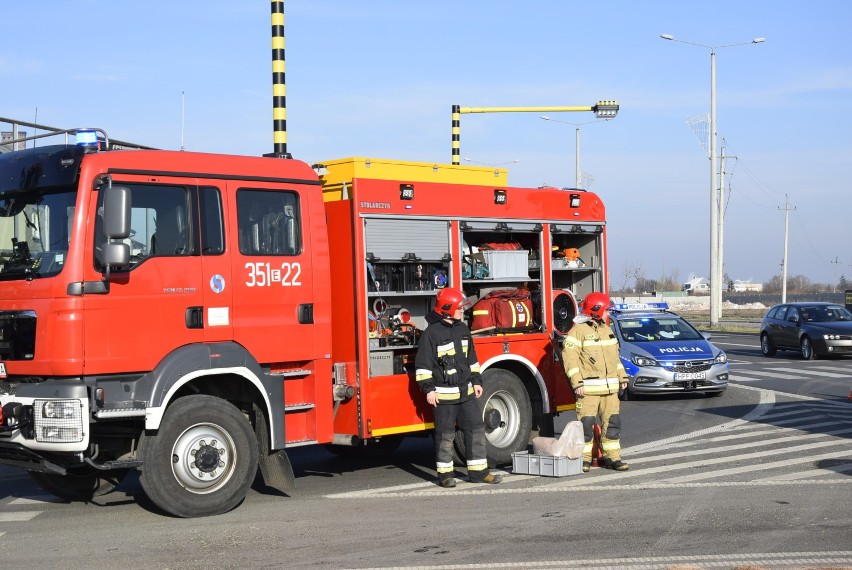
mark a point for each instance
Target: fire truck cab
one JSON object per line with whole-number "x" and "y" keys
{"x": 194, "y": 315}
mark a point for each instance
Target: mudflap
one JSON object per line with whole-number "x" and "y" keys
{"x": 274, "y": 465}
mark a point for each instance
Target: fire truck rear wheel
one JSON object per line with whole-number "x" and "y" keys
{"x": 507, "y": 413}
{"x": 79, "y": 484}
{"x": 202, "y": 460}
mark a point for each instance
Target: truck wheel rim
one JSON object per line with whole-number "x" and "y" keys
{"x": 203, "y": 458}
{"x": 510, "y": 415}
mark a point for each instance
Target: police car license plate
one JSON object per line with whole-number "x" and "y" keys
{"x": 689, "y": 376}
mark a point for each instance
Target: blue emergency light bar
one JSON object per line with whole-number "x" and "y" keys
{"x": 87, "y": 138}
{"x": 644, "y": 307}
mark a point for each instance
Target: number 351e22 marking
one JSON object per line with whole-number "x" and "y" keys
{"x": 264, "y": 275}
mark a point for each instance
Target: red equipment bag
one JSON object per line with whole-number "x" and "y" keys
{"x": 506, "y": 310}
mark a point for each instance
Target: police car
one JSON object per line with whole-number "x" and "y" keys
{"x": 663, "y": 353}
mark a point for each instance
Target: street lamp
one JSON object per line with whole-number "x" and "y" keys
{"x": 601, "y": 109}
{"x": 715, "y": 202}
{"x": 578, "y": 173}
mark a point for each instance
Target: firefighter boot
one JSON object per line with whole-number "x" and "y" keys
{"x": 492, "y": 478}
{"x": 447, "y": 482}
{"x": 616, "y": 465}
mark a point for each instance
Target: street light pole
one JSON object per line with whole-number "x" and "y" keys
{"x": 577, "y": 177}
{"x": 578, "y": 173}
{"x": 715, "y": 202}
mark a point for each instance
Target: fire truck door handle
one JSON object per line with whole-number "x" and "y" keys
{"x": 195, "y": 317}
{"x": 306, "y": 314}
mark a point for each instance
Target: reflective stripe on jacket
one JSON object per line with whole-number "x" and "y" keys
{"x": 446, "y": 360}
{"x": 590, "y": 357}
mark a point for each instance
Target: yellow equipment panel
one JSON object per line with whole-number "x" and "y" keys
{"x": 338, "y": 174}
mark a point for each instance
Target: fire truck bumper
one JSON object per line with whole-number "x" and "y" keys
{"x": 15, "y": 455}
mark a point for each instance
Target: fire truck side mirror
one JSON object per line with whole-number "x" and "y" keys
{"x": 116, "y": 223}
{"x": 117, "y": 212}
{"x": 115, "y": 254}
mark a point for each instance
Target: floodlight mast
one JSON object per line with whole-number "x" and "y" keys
{"x": 602, "y": 110}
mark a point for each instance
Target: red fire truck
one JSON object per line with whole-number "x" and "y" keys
{"x": 193, "y": 316}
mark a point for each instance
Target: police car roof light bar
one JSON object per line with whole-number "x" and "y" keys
{"x": 639, "y": 307}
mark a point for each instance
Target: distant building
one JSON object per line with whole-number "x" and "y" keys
{"x": 696, "y": 286}
{"x": 740, "y": 286}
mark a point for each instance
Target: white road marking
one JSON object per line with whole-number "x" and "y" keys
{"x": 697, "y": 562}
{"x": 823, "y": 371}
{"x": 762, "y": 433}
{"x": 844, "y": 468}
{"x": 36, "y": 500}
{"x": 757, "y": 466}
{"x": 18, "y": 516}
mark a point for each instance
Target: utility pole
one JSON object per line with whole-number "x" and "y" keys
{"x": 721, "y": 232}
{"x": 836, "y": 263}
{"x": 784, "y": 262}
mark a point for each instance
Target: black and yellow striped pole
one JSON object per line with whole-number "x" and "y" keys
{"x": 456, "y": 133}
{"x": 279, "y": 89}
{"x": 602, "y": 110}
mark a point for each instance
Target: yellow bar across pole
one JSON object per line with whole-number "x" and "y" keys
{"x": 603, "y": 109}
{"x": 522, "y": 109}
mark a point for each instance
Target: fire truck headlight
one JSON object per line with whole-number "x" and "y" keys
{"x": 58, "y": 421}
{"x": 58, "y": 409}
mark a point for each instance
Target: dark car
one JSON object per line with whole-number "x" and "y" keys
{"x": 813, "y": 329}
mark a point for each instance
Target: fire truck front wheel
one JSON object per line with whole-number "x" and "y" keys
{"x": 202, "y": 460}
{"x": 507, "y": 413}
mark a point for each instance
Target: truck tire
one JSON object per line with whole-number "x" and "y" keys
{"x": 507, "y": 414}
{"x": 79, "y": 484}
{"x": 221, "y": 435}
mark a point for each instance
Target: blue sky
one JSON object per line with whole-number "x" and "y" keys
{"x": 379, "y": 78}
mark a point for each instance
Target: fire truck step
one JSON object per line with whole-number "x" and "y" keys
{"x": 301, "y": 442}
{"x": 298, "y": 407}
{"x": 287, "y": 373}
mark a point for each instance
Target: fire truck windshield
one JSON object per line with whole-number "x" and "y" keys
{"x": 34, "y": 232}
{"x": 38, "y": 191}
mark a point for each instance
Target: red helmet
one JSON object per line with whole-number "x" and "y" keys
{"x": 596, "y": 304}
{"x": 448, "y": 300}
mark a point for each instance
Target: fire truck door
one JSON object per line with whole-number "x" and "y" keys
{"x": 217, "y": 275}
{"x": 273, "y": 272}
{"x": 143, "y": 316}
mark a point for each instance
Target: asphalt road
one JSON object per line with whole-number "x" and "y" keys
{"x": 759, "y": 477}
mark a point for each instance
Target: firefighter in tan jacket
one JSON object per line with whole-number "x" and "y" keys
{"x": 592, "y": 364}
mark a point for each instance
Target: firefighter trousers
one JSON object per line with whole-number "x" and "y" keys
{"x": 468, "y": 416}
{"x": 604, "y": 411}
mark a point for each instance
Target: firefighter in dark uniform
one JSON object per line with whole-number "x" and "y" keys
{"x": 448, "y": 373}
{"x": 592, "y": 364}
